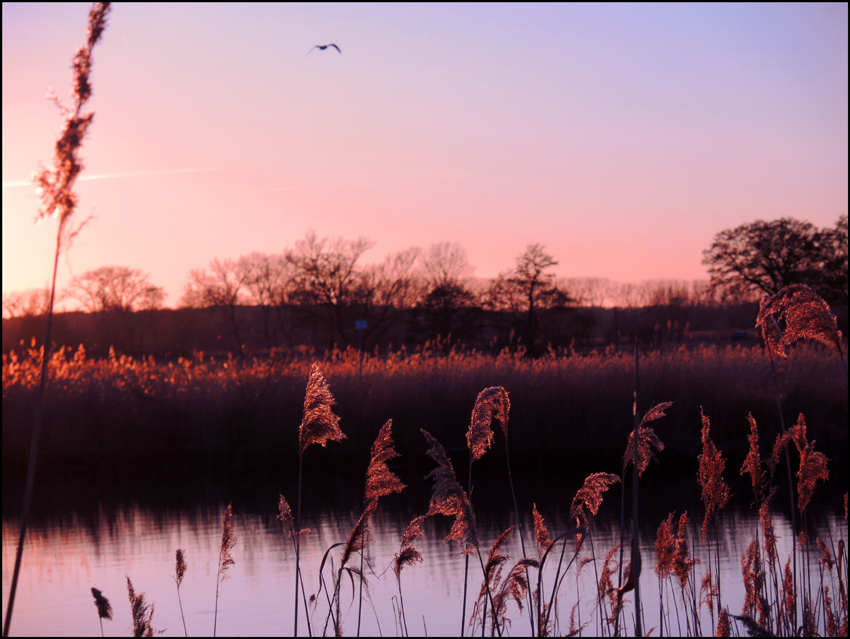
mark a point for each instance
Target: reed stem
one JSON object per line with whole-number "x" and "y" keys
{"x": 36, "y": 430}
{"x": 298, "y": 540}
{"x": 635, "y": 528}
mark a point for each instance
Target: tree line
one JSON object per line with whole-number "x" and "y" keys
{"x": 323, "y": 284}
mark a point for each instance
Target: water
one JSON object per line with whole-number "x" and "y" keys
{"x": 95, "y": 533}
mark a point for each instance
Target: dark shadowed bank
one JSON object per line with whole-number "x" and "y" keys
{"x": 199, "y": 412}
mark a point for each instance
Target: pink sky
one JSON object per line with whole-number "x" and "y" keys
{"x": 622, "y": 137}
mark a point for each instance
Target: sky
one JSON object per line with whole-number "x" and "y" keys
{"x": 621, "y": 137}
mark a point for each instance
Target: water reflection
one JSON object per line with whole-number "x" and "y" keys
{"x": 95, "y": 533}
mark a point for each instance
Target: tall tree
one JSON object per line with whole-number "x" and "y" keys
{"x": 385, "y": 292}
{"x": 764, "y": 257}
{"x": 447, "y": 306}
{"x": 115, "y": 288}
{"x": 448, "y": 311}
{"x": 271, "y": 282}
{"x": 331, "y": 275}
{"x": 528, "y": 293}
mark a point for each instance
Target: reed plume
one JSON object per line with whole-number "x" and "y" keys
{"x": 682, "y": 561}
{"x": 448, "y": 498}
{"x": 318, "y": 426}
{"x": 715, "y": 491}
{"x": 806, "y": 316}
{"x": 606, "y": 588}
{"x": 142, "y": 613}
{"x": 491, "y": 403}
{"x": 180, "y": 571}
{"x": 770, "y": 331}
{"x": 225, "y": 560}
{"x": 55, "y": 189}
{"x": 589, "y": 497}
{"x": 380, "y": 482}
{"x": 753, "y": 575}
{"x": 813, "y": 464}
{"x": 724, "y": 628}
{"x": 648, "y": 441}
{"x": 515, "y": 586}
{"x": 407, "y": 555}
{"x": 789, "y": 595}
{"x": 768, "y": 532}
{"x": 753, "y": 465}
{"x": 542, "y": 533}
{"x": 104, "y": 609}
{"x": 665, "y": 550}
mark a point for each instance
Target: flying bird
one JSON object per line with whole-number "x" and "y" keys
{"x": 322, "y": 47}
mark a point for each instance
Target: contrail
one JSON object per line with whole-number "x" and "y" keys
{"x": 109, "y": 176}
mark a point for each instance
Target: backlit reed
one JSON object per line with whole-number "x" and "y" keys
{"x": 55, "y": 188}
{"x": 104, "y": 609}
{"x": 180, "y": 568}
{"x": 318, "y": 426}
{"x": 142, "y": 613}
{"x": 225, "y": 559}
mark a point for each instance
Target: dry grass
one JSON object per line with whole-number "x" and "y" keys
{"x": 142, "y": 613}
{"x": 122, "y": 411}
{"x": 225, "y": 559}
{"x": 180, "y": 568}
{"x": 448, "y": 498}
{"x": 104, "y": 609}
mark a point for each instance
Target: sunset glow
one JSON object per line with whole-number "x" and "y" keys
{"x": 623, "y": 138}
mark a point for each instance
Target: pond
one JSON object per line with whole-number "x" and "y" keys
{"x": 96, "y": 532}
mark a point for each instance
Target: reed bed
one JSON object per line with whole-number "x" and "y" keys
{"x": 205, "y": 410}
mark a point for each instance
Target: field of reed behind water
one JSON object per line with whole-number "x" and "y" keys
{"x": 566, "y": 407}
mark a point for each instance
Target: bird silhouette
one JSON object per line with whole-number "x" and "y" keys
{"x": 322, "y": 47}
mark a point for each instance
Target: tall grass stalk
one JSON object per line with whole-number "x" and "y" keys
{"x": 56, "y": 190}
{"x": 225, "y": 560}
{"x": 318, "y": 426}
{"x": 491, "y": 403}
{"x": 104, "y": 609}
{"x": 502, "y": 414}
{"x": 180, "y": 571}
{"x": 407, "y": 555}
{"x": 635, "y": 511}
{"x": 142, "y": 613}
